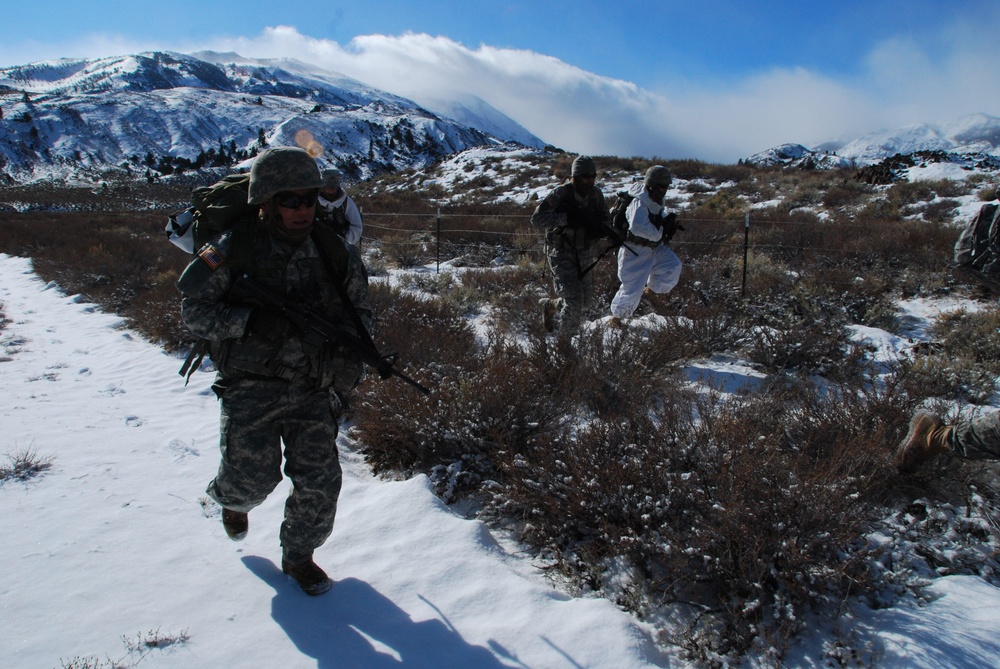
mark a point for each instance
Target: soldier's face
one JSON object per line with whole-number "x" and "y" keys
{"x": 584, "y": 183}
{"x": 295, "y": 208}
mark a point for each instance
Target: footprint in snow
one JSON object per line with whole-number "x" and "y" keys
{"x": 183, "y": 451}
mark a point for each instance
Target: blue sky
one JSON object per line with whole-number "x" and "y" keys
{"x": 715, "y": 80}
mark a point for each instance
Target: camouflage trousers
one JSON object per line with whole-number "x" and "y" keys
{"x": 979, "y": 438}
{"x": 258, "y": 416}
{"x": 576, "y": 293}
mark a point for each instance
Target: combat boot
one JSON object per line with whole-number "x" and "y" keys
{"x": 308, "y": 575}
{"x": 928, "y": 436}
{"x": 236, "y": 524}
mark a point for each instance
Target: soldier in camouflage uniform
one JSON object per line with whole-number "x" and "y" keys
{"x": 275, "y": 387}
{"x": 574, "y": 216}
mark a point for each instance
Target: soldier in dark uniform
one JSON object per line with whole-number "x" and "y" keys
{"x": 574, "y": 216}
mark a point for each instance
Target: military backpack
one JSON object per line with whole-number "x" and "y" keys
{"x": 977, "y": 251}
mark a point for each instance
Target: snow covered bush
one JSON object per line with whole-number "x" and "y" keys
{"x": 24, "y": 465}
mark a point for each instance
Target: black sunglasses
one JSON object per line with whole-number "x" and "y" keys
{"x": 292, "y": 201}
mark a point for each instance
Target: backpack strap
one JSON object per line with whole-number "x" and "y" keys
{"x": 193, "y": 360}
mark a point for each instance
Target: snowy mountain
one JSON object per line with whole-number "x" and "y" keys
{"x": 971, "y": 138}
{"x": 796, "y": 155}
{"x": 876, "y": 146}
{"x": 156, "y": 113}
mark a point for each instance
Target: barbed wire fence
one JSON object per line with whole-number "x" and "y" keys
{"x": 441, "y": 237}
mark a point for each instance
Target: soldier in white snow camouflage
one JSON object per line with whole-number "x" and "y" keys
{"x": 275, "y": 386}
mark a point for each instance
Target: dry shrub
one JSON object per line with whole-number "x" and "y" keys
{"x": 847, "y": 193}
{"x": 119, "y": 261}
{"x": 483, "y": 400}
{"x": 953, "y": 379}
{"x": 804, "y": 333}
{"x": 407, "y": 250}
{"x": 963, "y": 361}
{"x": 941, "y": 210}
{"x": 973, "y": 335}
{"x": 750, "y": 514}
{"x": 777, "y": 506}
{"x": 707, "y": 329}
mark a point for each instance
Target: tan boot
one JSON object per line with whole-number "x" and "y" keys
{"x": 615, "y": 322}
{"x": 928, "y": 436}
{"x": 548, "y": 314}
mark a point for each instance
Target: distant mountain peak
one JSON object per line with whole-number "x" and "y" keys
{"x": 972, "y": 135}
{"x": 796, "y": 155}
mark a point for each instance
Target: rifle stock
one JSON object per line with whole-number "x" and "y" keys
{"x": 310, "y": 321}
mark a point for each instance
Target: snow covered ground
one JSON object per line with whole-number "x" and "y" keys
{"x": 115, "y": 548}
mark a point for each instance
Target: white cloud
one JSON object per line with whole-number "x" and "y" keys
{"x": 587, "y": 113}
{"x": 900, "y": 81}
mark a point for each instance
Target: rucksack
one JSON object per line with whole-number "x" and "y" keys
{"x": 214, "y": 209}
{"x": 619, "y": 221}
{"x": 977, "y": 251}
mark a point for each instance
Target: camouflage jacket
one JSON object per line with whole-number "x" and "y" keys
{"x": 555, "y": 213}
{"x": 215, "y": 308}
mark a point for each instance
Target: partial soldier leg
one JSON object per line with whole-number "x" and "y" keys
{"x": 313, "y": 464}
{"x": 665, "y": 272}
{"x": 633, "y": 270}
{"x": 978, "y": 439}
{"x": 572, "y": 290}
{"x": 251, "y": 447}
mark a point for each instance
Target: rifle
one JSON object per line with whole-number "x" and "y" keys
{"x": 619, "y": 238}
{"x": 315, "y": 326}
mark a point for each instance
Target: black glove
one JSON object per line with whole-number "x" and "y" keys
{"x": 670, "y": 226}
{"x": 270, "y": 324}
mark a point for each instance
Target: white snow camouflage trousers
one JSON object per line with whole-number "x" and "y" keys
{"x": 657, "y": 267}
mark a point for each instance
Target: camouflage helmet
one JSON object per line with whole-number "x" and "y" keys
{"x": 657, "y": 175}
{"x": 331, "y": 179}
{"x": 282, "y": 168}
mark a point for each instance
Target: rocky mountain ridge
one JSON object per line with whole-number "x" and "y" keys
{"x": 159, "y": 113}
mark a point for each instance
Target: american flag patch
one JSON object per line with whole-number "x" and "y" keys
{"x": 211, "y": 257}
